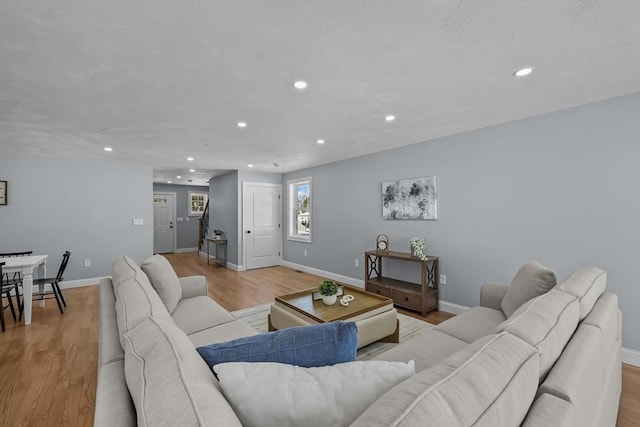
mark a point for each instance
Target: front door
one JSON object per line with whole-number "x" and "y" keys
{"x": 261, "y": 224}
{"x": 163, "y": 222}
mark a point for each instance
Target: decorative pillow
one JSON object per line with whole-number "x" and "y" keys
{"x": 279, "y": 395}
{"x": 316, "y": 345}
{"x": 164, "y": 280}
{"x": 530, "y": 281}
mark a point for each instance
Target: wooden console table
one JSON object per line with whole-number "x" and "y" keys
{"x": 423, "y": 297}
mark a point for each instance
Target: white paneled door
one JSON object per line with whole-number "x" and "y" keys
{"x": 163, "y": 222}
{"x": 261, "y": 224}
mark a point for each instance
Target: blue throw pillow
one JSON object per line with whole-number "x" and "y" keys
{"x": 306, "y": 346}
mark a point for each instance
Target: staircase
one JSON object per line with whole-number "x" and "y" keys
{"x": 204, "y": 227}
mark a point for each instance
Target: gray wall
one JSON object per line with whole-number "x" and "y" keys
{"x": 223, "y": 210}
{"x": 187, "y": 229}
{"x": 561, "y": 188}
{"x": 84, "y": 206}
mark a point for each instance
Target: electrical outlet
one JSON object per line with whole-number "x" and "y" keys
{"x": 305, "y": 252}
{"x": 356, "y": 262}
{"x": 443, "y": 279}
{"x": 87, "y": 263}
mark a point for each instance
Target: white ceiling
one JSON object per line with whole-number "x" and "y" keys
{"x": 160, "y": 81}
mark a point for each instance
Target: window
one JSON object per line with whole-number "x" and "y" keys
{"x": 300, "y": 209}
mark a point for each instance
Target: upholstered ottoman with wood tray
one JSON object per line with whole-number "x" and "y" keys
{"x": 373, "y": 314}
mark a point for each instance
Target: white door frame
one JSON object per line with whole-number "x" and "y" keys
{"x": 245, "y": 184}
{"x": 175, "y": 215}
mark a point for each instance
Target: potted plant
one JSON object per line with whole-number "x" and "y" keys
{"x": 329, "y": 291}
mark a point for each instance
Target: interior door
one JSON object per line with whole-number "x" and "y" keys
{"x": 163, "y": 222}
{"x": 261, "y": 224}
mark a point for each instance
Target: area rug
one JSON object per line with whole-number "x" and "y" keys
{"x": 257, "y": 318}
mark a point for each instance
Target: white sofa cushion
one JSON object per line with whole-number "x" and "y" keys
{"x": 532, "y": 280}
{"x": 221, "y": 333}
{"x": 549, "y": 410}
{"x": 122, "y": 268}
{"x": 280, "y": 395}
{"x": 586, "y": 284}
{"x": 135, "y": 301}
{"x": 474, "y": 323}
{"x": 490, "y": 382}
{"x": 578, "y": 376}
{"x": 169, "y": 382}
{"x": 547, "y": 323}
{"x": 164, "y": 280}
{"x": 426, "y": 349}
{"x": 199, "y": 313}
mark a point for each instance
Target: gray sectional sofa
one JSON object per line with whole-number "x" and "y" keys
{"x": 553, "y": 360}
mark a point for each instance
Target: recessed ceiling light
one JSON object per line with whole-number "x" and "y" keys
{"x": 242, "y": 124}
{"x": 178, "y": 177}
{"x": 390, "y": 118}
{"x": 300, "y": 84}
{"x": 192, "y": 170}
{"x": 250, "y": 165}
{"x": 190, "y": 159}
{"x": 523, "y": 72}
{"x": 320, "y": 141}
{"x": 168, "y": 182}
{"x": 108, "y": 149}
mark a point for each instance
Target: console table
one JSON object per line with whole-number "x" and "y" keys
{"x": 220, "y": 261}
{"x": 422, "y": 297}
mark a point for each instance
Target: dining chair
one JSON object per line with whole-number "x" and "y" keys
{"x": 5, "y": 293}
{"x": 13, "y": 280}
{"x": 55, "y": 287}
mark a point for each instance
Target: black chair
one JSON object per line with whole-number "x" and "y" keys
{"x": 13, "y": 281}
{"x": 5, "y": 292}
{"x": 55, "y": 287}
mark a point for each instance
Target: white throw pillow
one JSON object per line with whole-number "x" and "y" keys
{"x": 279, "y": 395}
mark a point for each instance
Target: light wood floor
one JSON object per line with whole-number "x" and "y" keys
{"x": 48, "y": 369}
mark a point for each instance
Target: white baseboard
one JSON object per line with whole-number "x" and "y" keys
{"x": 329, "y": 275}
{"x": 450, "y": 307}
{"x": 230, "y": 265}
{"x": 204, "y": 254}
{"x": 630, "y": 357}
{"x": 181, "y": 250}
{"x": 236, "y": 267}
{"x": 68, "y": 284}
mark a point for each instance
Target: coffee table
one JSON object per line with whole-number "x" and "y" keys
{"x": 373, "y": 314}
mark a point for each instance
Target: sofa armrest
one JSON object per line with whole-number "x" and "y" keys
{"x": 491, "y": 295}
{"x": 193, "y": 286}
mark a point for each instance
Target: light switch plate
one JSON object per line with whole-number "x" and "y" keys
{"x": 138, "y": 221}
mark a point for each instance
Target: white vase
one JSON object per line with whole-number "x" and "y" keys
{"x": 329, "y": 299}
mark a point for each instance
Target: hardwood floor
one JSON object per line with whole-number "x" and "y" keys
{"x": 48, "y": 369}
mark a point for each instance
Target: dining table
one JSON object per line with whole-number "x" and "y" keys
{"x": 26, "y": 266}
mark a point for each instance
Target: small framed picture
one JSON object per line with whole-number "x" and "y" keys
{"x": 197, "y": 203}
{"x": 3, "y": 192}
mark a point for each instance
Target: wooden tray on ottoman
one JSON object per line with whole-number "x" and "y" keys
{"x": 367, "y": 309}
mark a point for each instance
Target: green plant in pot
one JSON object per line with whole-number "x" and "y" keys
{"x": 329, "y": 291}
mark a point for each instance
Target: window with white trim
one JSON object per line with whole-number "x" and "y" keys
{"x": 299, "y": 209}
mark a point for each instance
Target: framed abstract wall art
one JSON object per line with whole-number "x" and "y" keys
{"x": 413, "y": 198}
